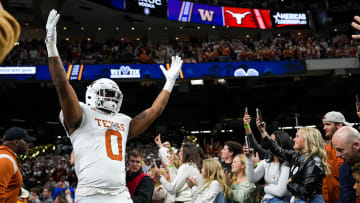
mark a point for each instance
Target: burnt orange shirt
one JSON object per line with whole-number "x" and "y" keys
{"x": 10, "y": 181}
{"x": 331, "y": 184}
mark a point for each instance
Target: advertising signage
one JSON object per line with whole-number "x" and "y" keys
{"x": 196, "y": 13}
{"x": 247, "y": 18}
{"x": 152, "y": 71}
{"x": 156, "y": 8}
{"x": 289, "y": 19}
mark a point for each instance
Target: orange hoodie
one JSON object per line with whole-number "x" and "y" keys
{"x": 331, "y": 184}
{"x": 10, "y": 180}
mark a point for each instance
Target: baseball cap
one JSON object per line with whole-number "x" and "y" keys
{"x": 14, "y": 133}
{"x": 336, "y": 117}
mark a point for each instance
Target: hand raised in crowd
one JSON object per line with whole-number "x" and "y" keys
{"x": 158, "y": 140}
{"x": 246, "y": 119}
{"x": 255, "y": 158}
{"x": 191, "y": 181}
{"x": 356, "y": 25}
{"x": 246, "y": 151}
{"x": 262, "y": 128}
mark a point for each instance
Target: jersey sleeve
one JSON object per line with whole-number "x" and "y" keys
{"x": 7, "y": 170}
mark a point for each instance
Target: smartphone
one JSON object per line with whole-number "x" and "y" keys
{"x": 357, "y": 103}
{"x": 258, "y": 115}
{"x": 246, "y": 110}
{"x": 247, "y": 142}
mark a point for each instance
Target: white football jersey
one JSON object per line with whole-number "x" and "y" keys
{"x": 100, "y": 145}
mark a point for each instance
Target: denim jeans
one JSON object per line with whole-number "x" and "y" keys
{"x": 317, "y": 199}
{"x": 277, "y": 200}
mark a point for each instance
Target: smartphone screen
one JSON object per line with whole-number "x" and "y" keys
{"x": 246, "y": 110}
{"x": 357, "y": 103}
{"x": 258, "y": 115}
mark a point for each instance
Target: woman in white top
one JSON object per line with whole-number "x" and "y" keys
{"x": 190, "y": 159}
{"x": 275, "y": 171}
{"x": 214, "y": 183}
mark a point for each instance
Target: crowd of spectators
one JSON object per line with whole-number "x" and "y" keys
{"x": 242, "y": 49}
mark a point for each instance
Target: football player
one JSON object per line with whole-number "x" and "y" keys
{"x": 97, "y": 130}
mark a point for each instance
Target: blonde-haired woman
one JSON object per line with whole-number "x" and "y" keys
{"x": 241, "y": 189}
{"x": 214, "y": 183}
{"x": 308, "y": 163}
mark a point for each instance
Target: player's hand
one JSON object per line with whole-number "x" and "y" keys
{"x": 356, "y": 25}
{"x": 176, "y": 64}
{"x": 51, "y": 27}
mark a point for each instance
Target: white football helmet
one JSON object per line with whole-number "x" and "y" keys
{"x": 104, "y": 94}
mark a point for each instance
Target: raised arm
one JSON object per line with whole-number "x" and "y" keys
{"x": 68, "y": 100}
{"x": 287, "y": 155}
{"x": 263, "y": 154}
{"x": 142, "y": 121}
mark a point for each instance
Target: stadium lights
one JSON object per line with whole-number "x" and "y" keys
{"x": 222, "y": 81}
{"x": 197, "y": 82}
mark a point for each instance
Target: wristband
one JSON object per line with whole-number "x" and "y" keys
{"x": 171, "y": 166}
{"x": 256, "y": 164}
{"x": 169, "y": 85}
{"x": 52, "y": 50}
{"x": 247, "y": 126}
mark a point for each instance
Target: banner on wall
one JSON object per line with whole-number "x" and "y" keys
{"x": 289, "y": 19}
{"x": 156, "y": 8}
{"x": 196, "y": 13}
{"x": 247, "y": 18}
{"x": 152, "y": 71}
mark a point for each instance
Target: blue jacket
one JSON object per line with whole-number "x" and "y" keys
{"x": 347, "y": 193}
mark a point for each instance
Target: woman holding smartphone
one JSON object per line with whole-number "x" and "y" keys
{"x": 274, "y": 170}
{"x": 308, "y": 163}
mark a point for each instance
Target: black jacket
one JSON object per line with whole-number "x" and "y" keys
{"x": 144, "y": 190}
{"x": 306, "y": 176}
